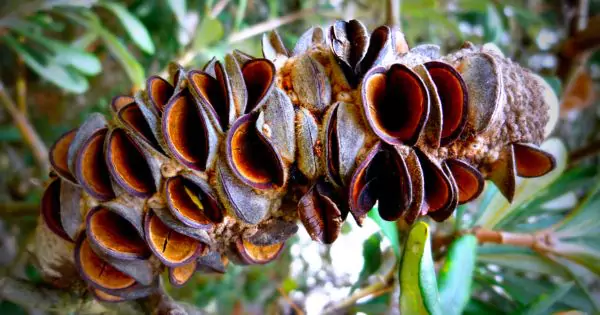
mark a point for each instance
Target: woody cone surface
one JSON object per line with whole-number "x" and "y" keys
{"x": 220, "y": 164}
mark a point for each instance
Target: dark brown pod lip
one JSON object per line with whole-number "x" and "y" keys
{"x": 247, "y": 149}
{"x": 361, "y": 199}
{"x": 531, "y": 161}
{"x": 454, "y": 98}
{"x": 114, "y": 235}
{"x": 443, "y": 214}
{"x": 179, "y": 276}
{"x": 132, "y": 116}
{"x": 120, "y": 101}
{"x": 349, "y": 41}
{"x": 213, "y": 262}
{"x": 468, "y": 179}
{"x": 213, "y": 92}
{"x": 127, "y": 164}
{"x": 380, "y": 43}
{"x": 504, "y": 173}
{"x": 190, "y": 204}
{"x": 395, "y": 186}
{"x": 172, "y": 248}
{"x": 255, "y": 254}
{"x": 97, "y": 272}
{"x": 159, "y": 92}
{"x": 59, "y": 155}
{"x": 91, "y": 168}
{"x": 51, "y": 209}
{"x": 105, "y": 297}
{"x": 259, "y": 76}
{"x": 398, "y": 84}
{"x": 418, "y": 187}
{"x": 319, "y": 214}
{"x": 332, "y": 146}
{"x": 438, "y": 188}
{"x": 181, "y": 122}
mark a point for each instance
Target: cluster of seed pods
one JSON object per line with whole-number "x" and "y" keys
{"x": 219, "y": 164}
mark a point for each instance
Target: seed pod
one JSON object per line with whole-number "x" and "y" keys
{"x": 173, "y": 223}
{"x": 172, "y": 248}
{"x": 51, "y": 209}
{"x": 349, "y": 42}
{"x": 276, "y": 123}
{"x": 209, "y": 67}
{"x": 259, "y": 77}
{"x": 273, "y": 231}
{"x": 311, "y": 84}
{"x": 178, "y": 276}
{"x": 469, "y": 180}
{"x": 438, "y": 188}
{"x": 191, "y": 204}
{"x": 130, "y": 209}
{"x": 380, "y": 47}
{"x": 142, "y": 123}
{"x": 362, "y": 195}
{"x": 444, "y": 213}
{"x": 59, "y": 156}
{"x": 91, "y": 125}
{"x": 396, "y": 104}
{"x": 212, "y": 262}
{"x": 417, "y": 178}
{"x": 318, "y": 210}
{"x": 432, "y": 131}
{"x": 307, "y": 135}
{"x": 70, "y": 208}
{"x": 273, "y": 47}
{"x": 214, "y": 93}
{"x": 241, "y": 57}
{"x": 91, "y": 169}
{"x": 159, "y": 92}
{"x": 105, "y": 297}
{"x": 311, "y": 38}
{"x": 531, "y": 161}
{"x": 247, "y": 253}
{"x": 430, "y": 51}
{"x": 120, "y": 101}
{"x": 238, "y": 86}
{"x": 504, "y": 173}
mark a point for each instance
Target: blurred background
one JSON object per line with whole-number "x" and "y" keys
{"x": 60, "y": 60}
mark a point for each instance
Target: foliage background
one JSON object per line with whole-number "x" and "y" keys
{"x": 63, "y": 59}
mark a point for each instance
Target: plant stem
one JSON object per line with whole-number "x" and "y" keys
{"x": 296, "y": 308}
{"x": 21, "y": 86}
{"x": 269, "y": 25}
{"x": 19, "y": 209}
{"x": 392, "y": 16}
{"x": 38, "y": 148}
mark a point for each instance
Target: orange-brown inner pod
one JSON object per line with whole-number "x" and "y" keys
{"x": 106, "y": 297}
{"x": 129, "y": 164}
{"x": 261, "y": 253}
{"x": 111, "y": 231}
{"x": 258, "y": 76}
{"x": 186, "y": 133}
{"x": 469, "y": 184}
{"x": 51, "y": 209}
{"x": 60, "y": 152}
{"x": 183, "y": 273}
{"x": 253, "y": 158}
{"x": 100, "y": 272}
{"x": 160, "y": 92}
{"x": 437, "y": 187}
{"x": 532, "y": 162}
{"x": 120, "y": 102}
{"x": 173, "y": 247}
{"x": 178, "y": 193}
{"x": 451, "y": 94}
{"x": 214, "y": 93}
{"x": 396, "y": 103}
{"x": 93, "y": 168}
{"x": 133, "y": 117}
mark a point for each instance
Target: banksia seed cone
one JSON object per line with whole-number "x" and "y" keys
{"x": 219, "y": 164}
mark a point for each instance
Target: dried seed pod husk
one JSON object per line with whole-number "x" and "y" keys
{"x": 311, "y": 84}
{"x": 58, "y": 156}
{"x": 92, "y": 124}
{"x": 438, "y": 187}
{"x": 380, "y": 47}
{"x": 51, "y": 209}
{"x": 362, "y": 195}
{"x": 114, "y": 235}
{"x": 247, "y": 253}
{"x": 309, "y": 39}
{"x": 142, "y": 123}
{"x": 214, "y": 94}
{"x": 175, "y": 224}
{"x": 259, "y": 77}
{"x": 186, "y": 132}
{"x": 172, "y": 248}
{"x": 191, "y": 204}
{"x": 120, "y": 101}
{"x": 307, "y": 136}
{"x": 91, "y": 169}
{"x": 130, "y": 209}
{"x": 396, "y": 104}
{"x": 209, "y": 67}
{"x": 213, "y": 262}
{"x": 240, "y": 199}
{"x": 444, "y": 213}
{"x": 241, "y": 57}
{"x": 483, "y": 79}
{"x": 159, "y": 92}
{"x": 273, "y": 47}
{"x": 418, "y": 187}
{"x": 468, "y": 179}
{"x": 252, "y": 156}
{"x": 238, "y": 86}
{"x": 127, "y": 164}
{"x": 452, "y": 92}
{"x": 349, "y": 42}
{"x": 178, "y": 276}
{"x": 276, "y": 122}
{"x": 272, "y": 231}
{"x": 104, "y": 297}
{"x": 504, "y": 173}
{"x": 320, "y": 214}
{"x": 432, "y": 131}
{"x": 430, "y": 51}
{"x": 531, "y": 161}
{"x": 70, "y": 208}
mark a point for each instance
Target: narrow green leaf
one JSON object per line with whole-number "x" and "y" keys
{"x": 418, "y": 286}
{"x": 179, "y": 8}
{"x": 519, "y": 258}
{"x": 456, "y": 276}
{"x": 388, "y": 229}
{"x": 210, "y": 31}
{"x": 240, "y": 14}
{"x": 371, "y": 259}
{"x": 136, "y": 30}
{"x": 493, "y": 27}
{"x": 583, "y": 220}
{"x": 55, "y": 73}
{"x": 544, "y": 302}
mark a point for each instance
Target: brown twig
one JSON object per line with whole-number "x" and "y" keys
{"x": 269, "y": 25}
{"x": 296, "y": 308}
{"x": 392, "y": 14}
{"x": 589, "y": 150}
{"x": 218, "y": 8}
{"x": 575, "y": 51}
{"x": 38, "y": 148}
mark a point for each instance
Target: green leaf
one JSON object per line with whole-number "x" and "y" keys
{"x": 53, "y": 72}
{"x": 583, "y": 220}
{"x": 388, "y": 229}
{"x": 478, "y": 307}
{"x": 136, "y": 30}
{"x": 456, "y": 276}
{"x": 240, "y": 14}
{"x": 519, "y": 258}
{"x": 493, "y": 27}
{"x": 371, "y": 259}
{"x": 210, "y": 31}
{"x": 418, "y": 286}
{"x": 179, "y": 8}
{"x": 544, "y": 302}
